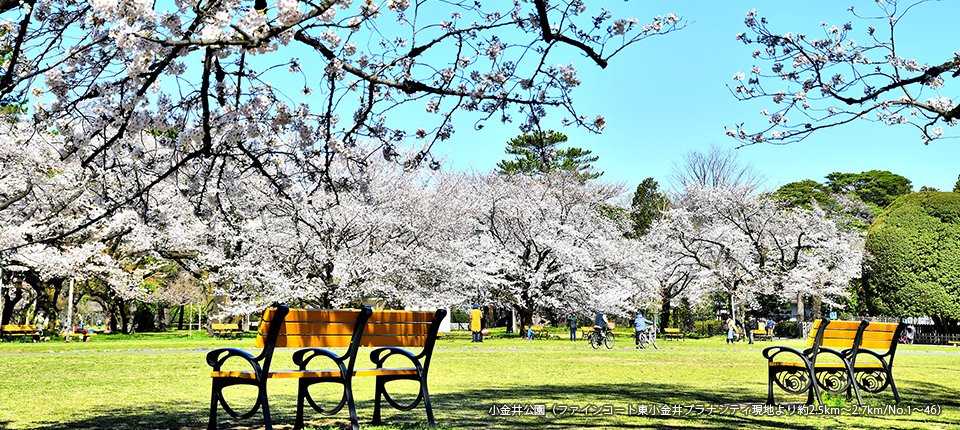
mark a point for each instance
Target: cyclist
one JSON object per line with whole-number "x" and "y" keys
{"x": 600, "y": 322}
{"x": 640, "y": 328}
{"x": 602, "y": 334}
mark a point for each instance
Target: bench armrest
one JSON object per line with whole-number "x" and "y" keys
{"x": 838, "y": 354}
{"x": 772, "y": 351}
{"x": 871, "y": 352}
{"x": 217, "y": 357}
{"x": 301, "y": 359}
{"x": 379, "y": 358}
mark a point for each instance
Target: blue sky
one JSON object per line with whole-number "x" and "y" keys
{"x": 667, "y": 95}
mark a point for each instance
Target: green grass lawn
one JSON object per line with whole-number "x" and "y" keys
{"x": 118, "y": 384}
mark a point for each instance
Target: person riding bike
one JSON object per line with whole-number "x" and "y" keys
{"x": 602, "y": 331}
{"x": 600, "y": 322}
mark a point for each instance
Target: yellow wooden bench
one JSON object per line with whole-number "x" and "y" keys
{"x": 672, "y": 333}
{"x": 23, "y": 333}
{"x": 313, "y": 330}
{"x": 226, "y": 330}
{"x": 761, "y": 334}
{"x": 539, "y": 332}
{"x": 585, "y": 333}
{"x": 954, "y": 342}
{"x": 832, "y": 360}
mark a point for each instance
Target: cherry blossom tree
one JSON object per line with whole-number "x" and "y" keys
{"x": 284, "y": 89}
{"x": 844, "y": 73}
{"x": 746, "y": 245}
{"x": 551, "y": 243}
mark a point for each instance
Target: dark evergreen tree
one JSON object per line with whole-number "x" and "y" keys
{"x": 537, "y": 154}
{"x": 876, "y": 187}
{"x": 648, "y": 206}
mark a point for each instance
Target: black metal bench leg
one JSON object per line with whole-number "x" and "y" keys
{"x": 376, "y": 402}
{"x": 893, "y": 386}
{"x": 348, "y": 391}
{"x": 267, "y": 422}
{"x": 426, "y": 403}
{"x": 301, "y": 396}
{"x": 814, "y": 390}
{"x": 212, "y": 424}
{"x": 770, "y": 374}
{"x": 853, "y": 385}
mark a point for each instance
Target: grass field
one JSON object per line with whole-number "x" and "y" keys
{"x": 161, "y": 381}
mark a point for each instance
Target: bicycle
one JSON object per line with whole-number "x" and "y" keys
{"x": 645, "y": 338}
{"x": 602, "y": 336}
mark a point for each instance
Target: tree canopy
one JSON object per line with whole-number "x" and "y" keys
{"x": 876, "y": 187}
{"x": 915, "y": 264}
{"x": 647, "y": 206}
{"x": 219, "y": 89}
{"x": 537, "y": 153}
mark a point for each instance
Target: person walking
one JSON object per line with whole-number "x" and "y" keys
{"x": 751, "y": 326}
{"x": 475, "y": 317}
{"x": 770, "y": 325}
{"x": 731, "y": 330}
{"x": 572, "y": 320}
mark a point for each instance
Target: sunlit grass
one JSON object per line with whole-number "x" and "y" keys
{"x": 126, "y": 387}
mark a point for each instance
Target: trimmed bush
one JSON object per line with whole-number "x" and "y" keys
{"x": 914, "y": 263}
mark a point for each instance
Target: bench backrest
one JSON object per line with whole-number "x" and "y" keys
{"x": 880, "y": 337}
{"x": 225, "y": 326}
{"x": 10, "y": 328}
{"x": 838, "y": 334}
{"x": 854, "y": 335}
{"x": 671, "y": 330}
{"x": 324, "y": 328}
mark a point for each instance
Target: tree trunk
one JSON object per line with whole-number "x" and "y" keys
{"x": 801, "y": 312}
{"x": 9, "y": 303}
{"x": 526, "y": 317}
{"x": 815, "y": 308}
{"x": 180, "y": 323}
{"x": 664, "y": 314}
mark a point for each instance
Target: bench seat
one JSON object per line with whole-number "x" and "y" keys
{"x": 324, "y": 373}
{"x": 824, "y": 365}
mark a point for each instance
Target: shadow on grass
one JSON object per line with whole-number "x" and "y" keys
{"x": 469, "y": 409}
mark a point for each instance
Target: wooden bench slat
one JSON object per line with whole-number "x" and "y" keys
{"x": 343, "y": 341}
{"x": 347, "y": 315}
{"x": 325, "y": 373}
{"x": 308, "y": 328}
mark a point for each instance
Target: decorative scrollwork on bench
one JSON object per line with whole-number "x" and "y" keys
{"x": 873, "y": 381}
{"x": 833, "y": 380}
{"x": 793, "y": 381}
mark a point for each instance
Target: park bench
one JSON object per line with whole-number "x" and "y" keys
{"x": 762, "y": 334}
{"x": 227, "y": 330}
{"x": 672, "y": 333}
{"x": 823, "y": 364}
{"x": 312, "y": 330}
{"x": 586, "y": 332}
{"x": 22, "y": 333}
{"x": 80, "y": 333}
{"x": 954, "y": 342}
{"x": 539, "y": 332}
